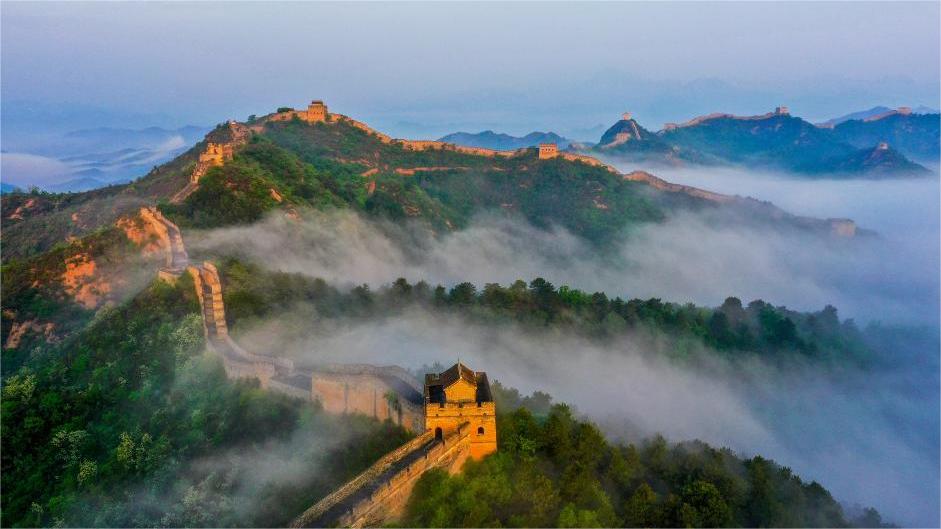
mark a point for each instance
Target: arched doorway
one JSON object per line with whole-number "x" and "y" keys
{"x": 439, "y": 435}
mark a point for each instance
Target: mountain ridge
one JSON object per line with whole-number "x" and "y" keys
{"x": 777, "y": 141}
{"x": 344, "y": 161}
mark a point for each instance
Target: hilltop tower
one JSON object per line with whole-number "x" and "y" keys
{"x": 626, "y": 116}
{"x": 548, "y": 150}
{"x": 460, "y": 396}
{"x": 316, "y": 111}
{"x": 782, "y": 111}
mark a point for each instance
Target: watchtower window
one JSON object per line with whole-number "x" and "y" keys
{"x": 480, "y": 430}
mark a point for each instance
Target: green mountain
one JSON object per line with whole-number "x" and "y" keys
{"x": 881, "y": 161}
{"x": 289, "y": 164}
{"x": 773, "y": 141}
{"x": 628, "y": 139}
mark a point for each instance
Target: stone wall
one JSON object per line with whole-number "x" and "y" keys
{"x": 220, "y": 148}
{"x": 663, "y": 185}
{"x": 171, "y": 239}
{"x": 379, "y": 495}
{"x": 368, "y": 394}
{"x": 382, "y": 392}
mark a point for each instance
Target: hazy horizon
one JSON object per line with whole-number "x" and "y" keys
{"x": 508, "y": 67}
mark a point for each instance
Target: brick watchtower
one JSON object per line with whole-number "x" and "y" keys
{"x": 548, "y": 150}
{"x": 457, "y": 396}
{"x": 316, "y": 111}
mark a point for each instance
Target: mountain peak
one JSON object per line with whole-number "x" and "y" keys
{"x": 624, "y": 130}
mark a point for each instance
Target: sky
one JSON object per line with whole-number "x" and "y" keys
{"x": 423, "y": 69}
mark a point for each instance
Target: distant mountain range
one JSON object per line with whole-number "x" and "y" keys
{"x": 878, "y": 144}
{"x": 489, "y": 139}
{"x": 91, "y": 158}
{"x": 872, "y": 112}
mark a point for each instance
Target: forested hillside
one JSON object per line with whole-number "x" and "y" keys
{"x": 554, "y": 470}
{"x": 113, "y": 415}
{"x": 759, "y": 328}
{"x": 128, "y": 424}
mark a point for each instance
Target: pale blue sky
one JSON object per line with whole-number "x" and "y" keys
{"x": 430, "y": 68}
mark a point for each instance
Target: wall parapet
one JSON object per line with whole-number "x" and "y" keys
{"x": 391, "y": 480}
{"x": 220, "y": 148}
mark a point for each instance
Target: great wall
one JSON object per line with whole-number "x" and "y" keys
{"x": 453, "y": 412}
{"x": 217, "y": 153}
{"x": 779, "y": 111}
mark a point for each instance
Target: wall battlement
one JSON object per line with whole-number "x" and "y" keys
{"x": 171, "y": 238}
{"x": 663, "y": 185}
{"x": 548, "y": 150}
{"x": 316, "y": 113}
{"x": 434, "y": 145}
{"x": 379, "y": 494}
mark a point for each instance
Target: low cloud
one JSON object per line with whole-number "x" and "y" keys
{"x": 688, "y": 258}
{"x": 22, "y": 169}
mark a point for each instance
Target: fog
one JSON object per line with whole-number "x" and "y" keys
{"x": 871, "y": 437}
{"x": 687, "y": 258}
{"x": 236, "y": 486}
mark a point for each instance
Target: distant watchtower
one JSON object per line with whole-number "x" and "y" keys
{"x": 316, "y": 111}
{"x": 782, "y": 111}
{"x": 548, "y": 150}
{"x": 457, "y": 396}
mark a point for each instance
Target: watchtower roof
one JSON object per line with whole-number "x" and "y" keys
{"x": 436, "y": 383}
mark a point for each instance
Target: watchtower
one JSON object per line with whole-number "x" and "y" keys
{"x": 316, "y": 111}
{"x": 548, "y": 150}
{"x": 782, "y": 111}
{"x": 457, "y": 396}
